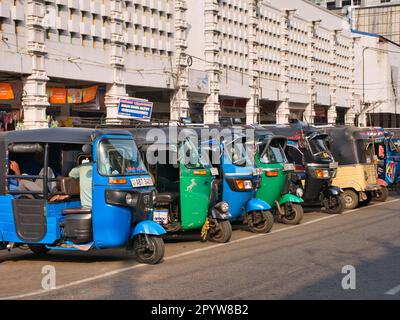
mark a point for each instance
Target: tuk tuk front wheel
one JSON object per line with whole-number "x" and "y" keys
{"x": 293, "y": 214}
{"x": 260, "y": 221}
{"x": 38, "y": 249}
{"x": 220, "y": 231}
{"x": 351, "y": 199}
{"x": 382, "y": 195}
{"x": 148, "y": 249}
{"x": 335, "y": 205}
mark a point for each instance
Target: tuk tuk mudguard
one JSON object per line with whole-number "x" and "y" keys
{"x": 257, "y": 205}
{"x": 148, "y": 227}
{"x": 382, "y": 183}
{"x": 290, "y": 198}
{"x": 333, "y": 191}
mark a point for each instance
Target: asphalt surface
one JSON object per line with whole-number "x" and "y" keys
{"x": 301, "y": 262}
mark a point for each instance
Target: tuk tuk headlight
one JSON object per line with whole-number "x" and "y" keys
{"x": 244, "y": 184}
{"x": 322, "y": 174}
{"x": 154, "y": 196}
{"x": 129, "y": 199}
{"x": 300, "y": 192}
{"x": 224, "y": 207}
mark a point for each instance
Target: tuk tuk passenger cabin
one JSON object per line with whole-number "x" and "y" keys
{"x": 45, "y": 209}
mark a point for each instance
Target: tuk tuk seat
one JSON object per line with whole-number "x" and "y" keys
{"x": 69, "y": 186}
{"x": 69, "y": 211}
{"x": 167, "y": 197}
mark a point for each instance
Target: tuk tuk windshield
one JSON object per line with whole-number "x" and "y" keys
{"x": 318, "y": 146}
{"x": 119, "y": 157}
{"x": 191, "y": 155}
{"x": 241, "y": 154}
{"x": 273, "y": 154}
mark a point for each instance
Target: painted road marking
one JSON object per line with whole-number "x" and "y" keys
{"x": 184, "y": 254}
{"x": 394, "y": 291}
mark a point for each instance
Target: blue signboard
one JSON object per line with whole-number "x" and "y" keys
{"x": 135, "y": 109}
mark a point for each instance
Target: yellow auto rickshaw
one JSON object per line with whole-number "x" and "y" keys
{"x": 353, "y": 148}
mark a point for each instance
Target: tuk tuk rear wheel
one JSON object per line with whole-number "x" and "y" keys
{"x": 38, "y": 249}
{"x": 382, "y": 195}
{"x": 150, "y": 250}
{"x": 294, "y": 216}
{"x": 397, "y": 187}
{"x": 263, "y": 223}
{"x": 221, "y": 232}
{"x": 351, "y": 199}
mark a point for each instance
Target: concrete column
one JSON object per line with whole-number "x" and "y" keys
{"x": 283, "y": 111}
{"x": 212, "y": 107}
{"x": 351, "y": 112}
{"x": 35, "y": 100}
{"x": 332, "y": 114}
{"x": 117, "y": 89}
{"x": 253, "y": 104}
{"x": 179, "y": 98}
{"x": 309, "y": 113}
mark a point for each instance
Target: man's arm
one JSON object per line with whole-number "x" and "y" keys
{"x": 74, "y": 173}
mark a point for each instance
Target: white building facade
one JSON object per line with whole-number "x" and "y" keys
{"x": 262, "y": 61}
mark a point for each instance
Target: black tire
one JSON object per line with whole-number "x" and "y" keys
{"x": 3, "y": 245}
{"x": 382, "y": 195}
{"x": 351, "y": 199}
{"x": 223, "y": 233}
{"x": 368, "y": 201}
{"x": 265, "y": 224}
{"x": 295, "y": 216}
{"x": 397, "y": 188}
{"x": 38, "y": 249}
{"x": 153, "y": 253}
{"x": 338, "y": 207}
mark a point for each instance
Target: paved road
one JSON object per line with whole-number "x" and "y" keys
{"x": 302, "y": 262}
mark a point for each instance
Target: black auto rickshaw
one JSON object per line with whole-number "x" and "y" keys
{"x": 315, "y": 167}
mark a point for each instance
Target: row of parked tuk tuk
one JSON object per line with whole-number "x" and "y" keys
{"x": 144, "y": 186}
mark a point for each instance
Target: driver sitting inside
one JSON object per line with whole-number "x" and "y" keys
{"x": 84, "y": 172}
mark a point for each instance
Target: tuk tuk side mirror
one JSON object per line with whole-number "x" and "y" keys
{"x": 87, "y": 149}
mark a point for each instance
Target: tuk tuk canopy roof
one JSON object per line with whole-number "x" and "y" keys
{"x": 292, "y": 131}
{"x": 142, "y": 137}
{"x": 55, "y": 135}
{"x": 347, "y": 142}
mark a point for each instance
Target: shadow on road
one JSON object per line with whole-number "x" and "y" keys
{"x": 373, "y": 277}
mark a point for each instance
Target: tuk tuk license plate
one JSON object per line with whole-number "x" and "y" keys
{"x": 257, "y": 172}
{"x": 214, "y": 171}
{"x": 141, "y": 182}
{"x": 333, "y": 165}
{"x": 288, "y": 167}
{"x": 160, "y": 216}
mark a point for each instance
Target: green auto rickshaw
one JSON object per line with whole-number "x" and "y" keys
{"x": 275, "y": 183}
{"x": 187, "y": 189}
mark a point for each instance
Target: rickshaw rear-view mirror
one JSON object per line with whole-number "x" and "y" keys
{"x": 87, "y": 149}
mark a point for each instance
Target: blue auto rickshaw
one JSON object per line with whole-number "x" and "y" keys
{"x": 240, "y": 181}
{"x": 388, "y": 160}
{"x": 54, "y": 218}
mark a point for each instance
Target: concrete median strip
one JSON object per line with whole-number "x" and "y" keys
{"x": 393, "y": 291}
